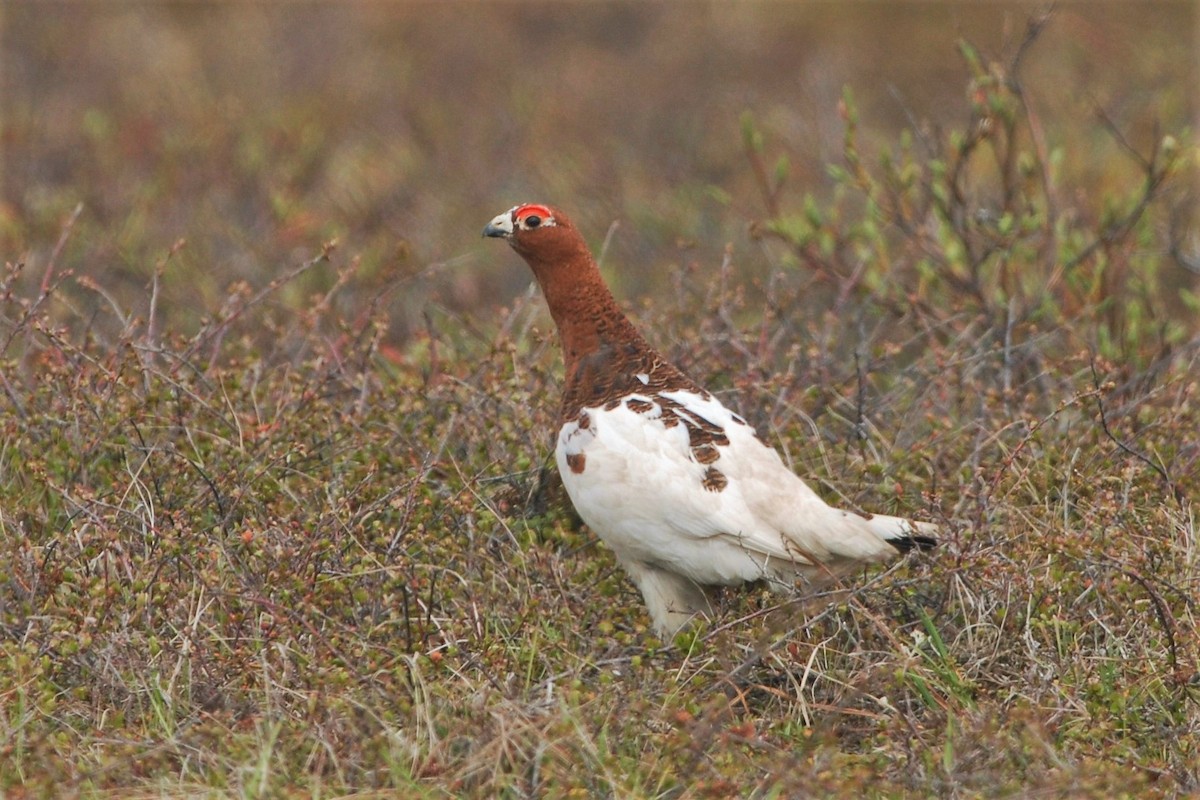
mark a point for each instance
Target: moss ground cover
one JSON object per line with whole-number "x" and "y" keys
{"x": 278, "y": 515}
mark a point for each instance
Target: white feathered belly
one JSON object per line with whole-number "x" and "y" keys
{"x": 637, "y": 483}
{"x": 676, "y": 481}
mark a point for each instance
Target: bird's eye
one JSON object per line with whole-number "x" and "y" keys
{"x": 532, "y": 221}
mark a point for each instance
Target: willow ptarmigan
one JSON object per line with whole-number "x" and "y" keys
{"x": 680, "y": 487}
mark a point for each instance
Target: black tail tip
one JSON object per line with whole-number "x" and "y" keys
{"x": 906, "y": 543}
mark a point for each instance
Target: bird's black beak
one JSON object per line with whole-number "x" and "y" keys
{"x": 501, "y": 226}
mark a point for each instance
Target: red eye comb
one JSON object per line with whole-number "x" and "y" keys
{"x": 532, "y": 208}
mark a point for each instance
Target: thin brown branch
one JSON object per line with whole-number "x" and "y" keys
{"x": 1098, "y": 393}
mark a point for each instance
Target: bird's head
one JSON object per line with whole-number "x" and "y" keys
{"x": 589, "y": 320}
{"x": 536, "y": 231}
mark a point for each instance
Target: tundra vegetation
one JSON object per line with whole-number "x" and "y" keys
{"x": 278, "y": 515}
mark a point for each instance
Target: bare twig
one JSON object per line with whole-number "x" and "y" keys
{"x": 1033, "y": 429}
{"x": 1155, "y": 175}
{"x": 48, "y": 275}
{"x": 1164, "y": 617}
{"x": 1098, "y": 393}
{"x": 1033, "y": 31}
{"x": 212, "y": 336}
{"x": 612, "y": 229}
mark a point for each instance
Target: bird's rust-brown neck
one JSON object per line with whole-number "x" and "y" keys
{"x": 604, "y": 356}
{"x": 602, "y": 351}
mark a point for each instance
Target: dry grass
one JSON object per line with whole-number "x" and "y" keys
{"x": 258, "y": 542}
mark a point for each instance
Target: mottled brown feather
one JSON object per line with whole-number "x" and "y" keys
{"x": 640, "y": 406}
{"x": 715, "y": 480}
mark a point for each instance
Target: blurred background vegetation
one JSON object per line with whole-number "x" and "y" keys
{"x": 278, "y": 517}
{"x": 257, "y": 132}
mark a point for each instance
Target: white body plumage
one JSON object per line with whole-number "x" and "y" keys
{"x": 636, "y": 481}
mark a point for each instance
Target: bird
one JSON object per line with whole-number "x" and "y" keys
{"x": 681, "y": 489}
